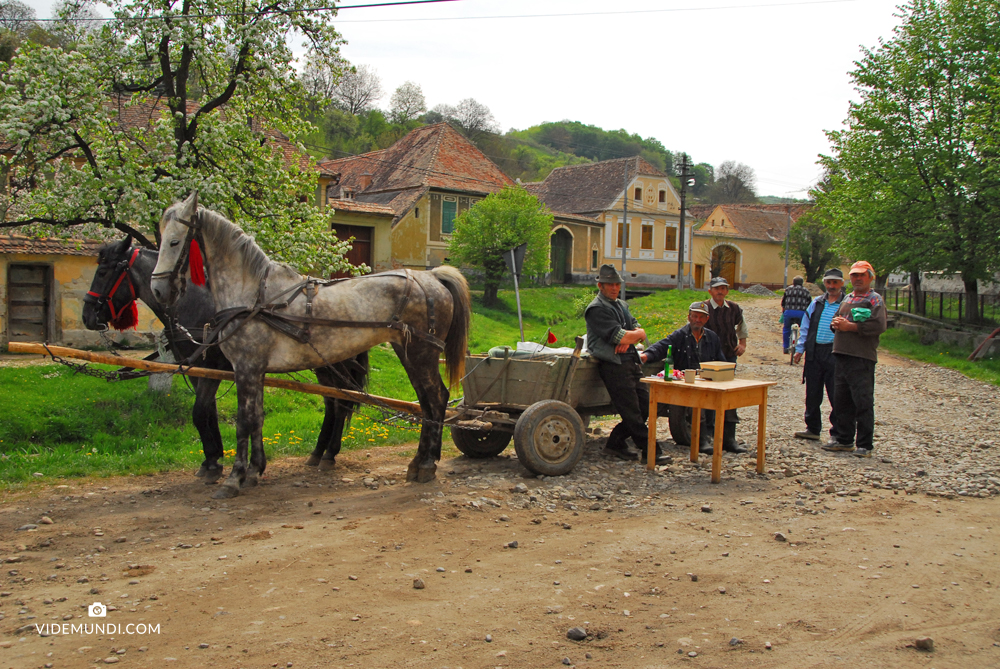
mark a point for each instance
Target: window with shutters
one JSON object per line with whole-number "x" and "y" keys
{"x": 671, "y": 244}
{"x": 647, "y": 235}
{"x": 621, "y": 234}
{"x": 663, "y": 196}
{"x": 449, "y": 207}
{"x": 638, "y": 194}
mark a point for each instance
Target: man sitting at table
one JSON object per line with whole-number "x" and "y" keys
{"x": 692, "y": 345}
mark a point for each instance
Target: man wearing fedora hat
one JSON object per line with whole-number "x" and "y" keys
{"x": 612, "y": 333}
{"x": 692, "y": 345}
{"x": 816, "y": 343}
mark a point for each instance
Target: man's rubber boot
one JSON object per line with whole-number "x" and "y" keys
{"x": 729, "y": 443}
{"x": 705, "y": 441}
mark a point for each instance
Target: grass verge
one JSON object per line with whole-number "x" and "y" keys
{"x": 951, "y": 356}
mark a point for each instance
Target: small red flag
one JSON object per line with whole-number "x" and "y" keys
{"x": 552, "y": 337}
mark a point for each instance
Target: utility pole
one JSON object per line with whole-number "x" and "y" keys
{"x": 624, "y": 230}
{"x": 788, "y": 233}
{"x": 685, "y": 175}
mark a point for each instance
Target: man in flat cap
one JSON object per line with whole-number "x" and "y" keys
{"x": 816, "y": 343}
{"x": 859, "y": 323}
{"x": 793, "y": 304}
{"x": 612, "y": 333}
{"x": 692, "y": 345}
{"x": 725, "y": 318}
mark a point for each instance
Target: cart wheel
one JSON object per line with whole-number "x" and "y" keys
{"x": 680, "y": 424}
{"x": 480, "y": 443}
{"x": 549, "y": 438}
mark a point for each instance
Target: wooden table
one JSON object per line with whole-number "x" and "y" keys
{"x": 717, "y": 395}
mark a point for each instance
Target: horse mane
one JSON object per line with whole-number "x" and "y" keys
{"x": 228, "y": 238}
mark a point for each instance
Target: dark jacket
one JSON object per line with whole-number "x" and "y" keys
{"x": 607, "y": 323}
{"x": 796, "y": 298}
{"x": 688, "y": 353}
{"x": 864, "y": 342}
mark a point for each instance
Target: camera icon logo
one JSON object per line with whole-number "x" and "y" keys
{"x": 97, "y": 610}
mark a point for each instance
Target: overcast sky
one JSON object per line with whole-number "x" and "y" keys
{"x": 754, "y": 81}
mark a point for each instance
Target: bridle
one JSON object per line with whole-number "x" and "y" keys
{"x": 181, "y": 264}
{"x": 123, "y": 272}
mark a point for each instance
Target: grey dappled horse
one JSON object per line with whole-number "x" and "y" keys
{"x": 271, "y": 319}
{"x": 123, "y": 275}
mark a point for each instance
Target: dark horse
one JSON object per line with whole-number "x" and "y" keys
{"x": 123, "y": 274}
{"x": 272, "y": 319}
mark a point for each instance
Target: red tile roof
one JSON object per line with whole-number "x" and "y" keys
{"x": 48, "y": 246}
{"x": 354, "y": 206}
{"x": 434, "y": 156}
{"x": 762, "y": 222}
{"x": 589, "y": 188}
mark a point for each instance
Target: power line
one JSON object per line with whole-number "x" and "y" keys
{"x": 612, "y": 13}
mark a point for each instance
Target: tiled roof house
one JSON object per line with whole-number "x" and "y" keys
{"x": 401, "y": 202}
{"x": 744, "y": 243}
{"x": 599, "y": 191}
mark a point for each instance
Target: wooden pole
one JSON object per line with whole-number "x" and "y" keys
{"x": 313, "y": 388}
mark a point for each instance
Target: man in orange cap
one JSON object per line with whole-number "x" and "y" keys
{"x": 859, "y": 322}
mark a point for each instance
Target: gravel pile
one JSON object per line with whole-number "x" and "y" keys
{"x": 758, "y": 289}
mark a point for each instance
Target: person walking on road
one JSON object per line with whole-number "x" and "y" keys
{"x": 859, "y": 323}
{"x": 612, "y": 333}
{"x": 816, "y": 343}
{"x": 794, "y": 304}
{"x": 725, "y": 319}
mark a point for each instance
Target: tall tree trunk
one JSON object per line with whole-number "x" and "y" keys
{"x": 916, "y": 293}
{"x": 490, "y": 293}
{"x": 971, "y": 300}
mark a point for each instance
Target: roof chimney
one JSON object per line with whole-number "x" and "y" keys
{"x": 366, "y": 180}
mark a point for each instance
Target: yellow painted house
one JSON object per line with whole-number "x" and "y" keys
{"x": 602, "y": 192}
{"x": 42, "y": 286}
{"x": 745, "y": 244}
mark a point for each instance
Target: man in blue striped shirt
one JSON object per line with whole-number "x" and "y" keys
{"x": 816, "y": 341}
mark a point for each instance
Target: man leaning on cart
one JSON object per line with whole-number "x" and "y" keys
{"x": 612, "y": 333}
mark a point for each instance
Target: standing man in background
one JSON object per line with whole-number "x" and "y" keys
{"x": 725, "y": 319}
{"x": 859, "y": 323}
{"x": 794, "y": 304}
{"x": 816, "y": 342}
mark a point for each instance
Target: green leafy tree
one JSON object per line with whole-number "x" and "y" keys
{"x": 914, "y": 183}
{"x": 811, "y": 243}
{"x": 496, "y": 224}
{"x": 165, "y": 99}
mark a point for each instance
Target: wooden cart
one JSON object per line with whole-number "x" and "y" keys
{"x": 543, "y": 402}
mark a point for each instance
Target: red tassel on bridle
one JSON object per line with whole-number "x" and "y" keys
{"x": 127, "y": 318}
{"x": 196, "y": 264}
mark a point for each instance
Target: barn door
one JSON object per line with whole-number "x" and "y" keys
{"x": 561, "y": 246}
{"x": 28, "y": 302}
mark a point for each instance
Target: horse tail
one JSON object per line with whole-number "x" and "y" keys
{"x": 456, "y": 344}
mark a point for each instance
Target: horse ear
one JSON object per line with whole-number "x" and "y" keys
{"x": 126, "y": 243}
{"x": 190, "y": 206}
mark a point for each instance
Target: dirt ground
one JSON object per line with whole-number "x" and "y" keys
{"x": 659, "y": 570}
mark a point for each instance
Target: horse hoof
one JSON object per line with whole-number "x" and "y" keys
{"x": 425, "y": 474}
{"x": 226, "y": 491}
{"x": 327, "y": 465}
{"x": 411, "y": 472}
{"x": 210, "y": 474}
{"x": 312, "y": 460}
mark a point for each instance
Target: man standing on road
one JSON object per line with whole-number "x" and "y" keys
{"x": 692, "y": 345}
{"x": 816, "y": 342}
{"x": 725, "y": 319}
{"x": 859, "y": 322}
{"x": 794, "y": 304}
{"x": 612, "y": 333}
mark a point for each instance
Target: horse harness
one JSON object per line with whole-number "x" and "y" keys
{"x": 124, "y": 270}
{"x": 289, "y": 324}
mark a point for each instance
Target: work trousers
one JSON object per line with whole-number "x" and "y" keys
{"x": 819, "y": 370}
{"x": 789, "y": 317}
{"x": 854, "y": 397}
{"x": 630, "y": 399}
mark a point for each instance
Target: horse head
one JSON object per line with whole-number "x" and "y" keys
{"x": 111, "y": 298}
{"x": 179, "y": 229}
